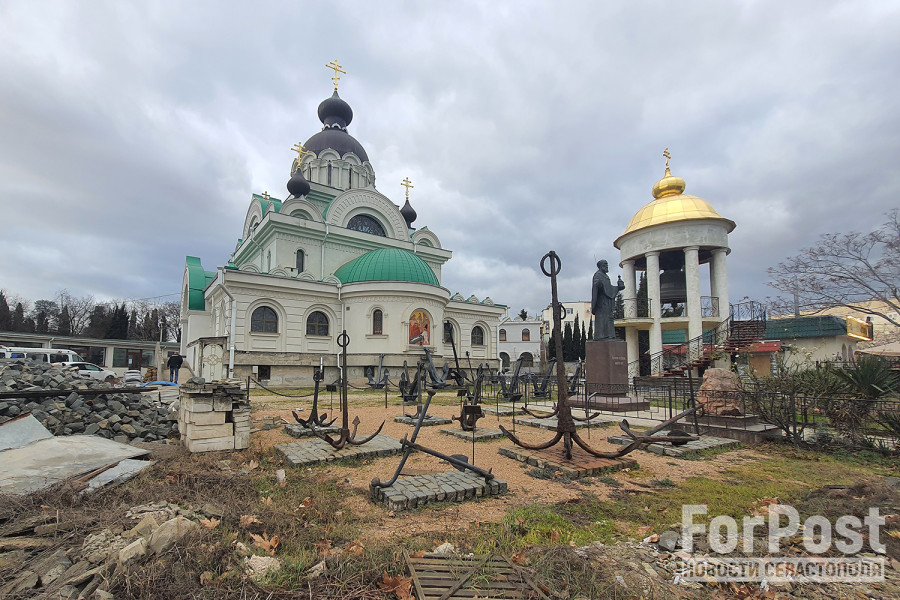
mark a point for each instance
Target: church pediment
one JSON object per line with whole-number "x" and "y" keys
{"x": 368, "y": 203}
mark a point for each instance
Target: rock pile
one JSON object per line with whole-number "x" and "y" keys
{"x": 114, "y": 415}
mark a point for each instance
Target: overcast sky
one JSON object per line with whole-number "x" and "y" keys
{"x": 133, "y": 133}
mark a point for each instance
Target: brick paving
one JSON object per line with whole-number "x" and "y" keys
{"x": 687, "y": 450}
{"x": 310, "y": 452}
{"x": 549, "y": 423}
{"x": 299, "y": 431}
{"x": 482, "y": 434}
{"x": 454, "y": 486}
{"x": 430, "y": 420}
{"x": 581, "y": 465}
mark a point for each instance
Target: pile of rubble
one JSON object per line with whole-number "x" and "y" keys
{"x": 113, "y": 415}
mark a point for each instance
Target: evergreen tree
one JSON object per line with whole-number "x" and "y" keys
{"x": 643, "y": 307}
{"x": 117, "y": 328}
{"x": 132, "y": 329}
{"x": 567, "y": 343}
{"x": 65, "y": 322}
{"x": 41, "y": 322}
{"x": 523, "y": 314}
{"x": 577, "y": 342}
{"x": 18, "y": 318}
{"x": 591, "y": 330}
{"x": 551, "y": 346}
{"x": 46, "y": 315}
{"x": 29, "y": 326}
{"x": 98, "y": 323}
{"x": 583, "y": 346}
{"x": 5, "y": 314}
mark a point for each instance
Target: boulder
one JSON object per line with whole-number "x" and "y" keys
{"x": 718, "y": 394}
{"x": 133, "y": 551}
{"x": 171, "y": 532}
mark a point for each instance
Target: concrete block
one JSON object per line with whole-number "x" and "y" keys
{"x": 241, "y": 440}
{"x": 224, "y": 404}
{"x": 195, "y": 404}
{"x": 205, "y": 418}
{"x": 210, "y": 445}
{"x": 201, "y": 432}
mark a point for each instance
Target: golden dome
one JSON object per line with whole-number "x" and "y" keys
{"x": 671, "y": 204}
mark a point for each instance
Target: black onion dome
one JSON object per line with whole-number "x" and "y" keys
{"x": 409, "y": 213}
{"x": 297, "y": 185}
{"x": 334, "y": 111}
{"x": 335, "y": 115}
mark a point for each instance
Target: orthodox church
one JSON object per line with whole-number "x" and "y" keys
{"x": 334, "y": 255}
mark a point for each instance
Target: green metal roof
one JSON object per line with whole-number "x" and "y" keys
{"x": 805, "y": 327}
{"x": 198, "y": 279}
{"x": 387, "y": 264}
{"x": 269, "y": 203}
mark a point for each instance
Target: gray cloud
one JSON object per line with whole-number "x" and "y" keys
{"x": 133, "y": 135}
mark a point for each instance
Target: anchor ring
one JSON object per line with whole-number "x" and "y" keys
{"x": 555, "y": 264}
{"x": 343, "y": 340}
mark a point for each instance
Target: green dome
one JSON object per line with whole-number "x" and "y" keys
{"x": 387, "y": 264}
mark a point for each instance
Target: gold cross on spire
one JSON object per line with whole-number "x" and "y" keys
{"x": 300, "y": 149}
{"x": 407, "y": 184}
{"x": 266, "y": 194}
{"x": 668, "y": 156}
{"x": 337, "y": 69}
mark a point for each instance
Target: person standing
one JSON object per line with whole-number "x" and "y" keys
{"x": 175, "y": 362}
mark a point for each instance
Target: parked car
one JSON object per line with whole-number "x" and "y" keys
{"x": 86, "y": 369}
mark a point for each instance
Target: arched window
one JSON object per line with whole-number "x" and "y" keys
{"x": 366, "y": 224}
{"x": 317, "y": 323}
{"x": 526, "y": 335}
{"x": 502, "y": 335}
{"x": 477, "y": 336}
{"x": 269, "y": 260}
{"x": 377, "y": 322}
{"x": 264, "y": 319}
{"x": 504, "y": 360}
{"x": 527, "y": 359}
{"x": 300, "y": 261}
{"x": 448, "y": 332}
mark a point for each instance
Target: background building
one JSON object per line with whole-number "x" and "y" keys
{"x": 519, "y": 338}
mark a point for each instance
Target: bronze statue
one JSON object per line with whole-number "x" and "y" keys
{"x": 603, "y": 299}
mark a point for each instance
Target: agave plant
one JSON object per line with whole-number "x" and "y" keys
{"x": 870, "y": 377}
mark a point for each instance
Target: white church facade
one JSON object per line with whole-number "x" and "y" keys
{"x": 335, "y": 255}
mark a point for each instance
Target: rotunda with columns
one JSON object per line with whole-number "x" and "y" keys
{"x": 669, "y": 239}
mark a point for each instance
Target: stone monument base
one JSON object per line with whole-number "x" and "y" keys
{"x": 606, "y": 367}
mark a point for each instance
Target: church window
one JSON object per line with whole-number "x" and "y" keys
{"x": 264, "y": 319}
{"x": 504, "y": 360}
{"x": 329, "y": 173}
{"x": 366, "y": 224}
{"x": 377, "y": 322}
{"x": 269, "y": 260}
{"x": 526, "y": 335}
{"x": 527, "y": 359}
{"x": 317, "y": 324}
{"x": 477, "y": 336}
{"x": 502, "y": 335}
{"x": 300, "y": 261}
{"x": 448, "y": 332}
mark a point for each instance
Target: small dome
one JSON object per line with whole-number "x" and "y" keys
{"x": 671, "y": 204}
{"x": 297, "y": 185}
{"x": 409, "y": 213}
{"x": 334, "y": 111}
{"x": 387, "y": 264}
{"x": 335, "y": 115}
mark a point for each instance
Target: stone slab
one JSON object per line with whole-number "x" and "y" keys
{"x": 210, "y": 444}
{"x": 430, "y": 420}
{"x": 581, "y": 465}
{"x": 454, "y": 486}
{"x": 482, "y": 434}
{"x": 310, "y": 452}
{"x": 504, "y": 410}
{"x": 204, "y": 418}
{"x": 686, "y": 450}
{"x": 606, "y": 367}
{"x": 549, "y": 423}
{"x": 202, "y": 432}
{"x": 299, "y": 431}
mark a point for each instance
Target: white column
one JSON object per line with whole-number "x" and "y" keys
{"x": 631, "y": 350}
{"x": 692, "y": 283}
{"x": 630, "y": 296}
{"x": 653, "y": 299}
{"x": 718, "y": 280}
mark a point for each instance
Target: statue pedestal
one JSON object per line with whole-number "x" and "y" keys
{"x": 606, "y": 368}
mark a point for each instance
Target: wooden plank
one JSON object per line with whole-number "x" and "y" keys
{"x": 464, "y": 579}
{"x": 438, "y": 577}
{"x": 414, "y": 575}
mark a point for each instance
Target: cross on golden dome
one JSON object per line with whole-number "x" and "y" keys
{"x": 668, "y": 156}
{"x": 336, "y": 66}
{"x": 407, "y": 184}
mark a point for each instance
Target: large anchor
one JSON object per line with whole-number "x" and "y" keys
{"x": 381, "y": 376}
{"x": 458, "y": 461}
{"x": 470, "y": 409}
{"x": 510, "y": 391}
{"x": 565, "y": 427}
{"x": 315, "y": 418}
{"x": 542, "y": 386}
{"x": 437, "y": 381}
{"x": 346, "y": 437}
{"x": 457, "y": 374}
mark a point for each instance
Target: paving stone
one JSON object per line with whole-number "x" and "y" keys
{"x": 683, "y": 451}
{"x": 310, "y": 452}
{"x": 457, "y": 486}
{"x": 504, "y": 409}
{"x": 430, "y": 420}
{"x": 581, "y": 464}
{"x": 482, "y": 434}
{"x": 299, "y": 431}
{"x": 550, "y": 423}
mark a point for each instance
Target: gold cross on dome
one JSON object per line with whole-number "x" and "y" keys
{"x": 668, "y": 156}
{"x": 336, "y": 66}
{"x": 300, "y": 149}
{"x": 407, "y": 184}
{"x": 266, "y": 194}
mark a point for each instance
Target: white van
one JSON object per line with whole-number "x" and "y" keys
{"x": 47, "y": 355}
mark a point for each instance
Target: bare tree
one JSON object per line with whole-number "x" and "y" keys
{"x": 80, "y": 310}
{"x": 845, "y": 269}
{"x": 172, "y": 313}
